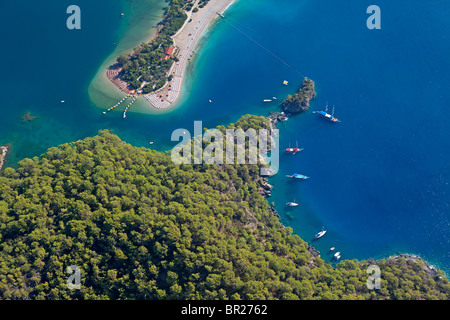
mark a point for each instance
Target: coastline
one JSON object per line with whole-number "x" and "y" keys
{"x": 430, "y": 269}
{"x": 3, "y": 153}
{"x": 266, "y": 189}
{"x": 137, "y": 25}
{"x": 185, "y": 42}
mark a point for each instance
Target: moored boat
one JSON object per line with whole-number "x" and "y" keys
{"x": 293, "y": 150}
{"x": 320, "y": 234}
{"x": 299, "y": 176}
{"x": 326, "y": 115}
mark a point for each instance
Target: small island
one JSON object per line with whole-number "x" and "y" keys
{"x": 299, "y": 102}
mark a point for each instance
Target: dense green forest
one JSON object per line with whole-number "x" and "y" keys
{"x": 147, "y": 66}
{"x": 140, "y": 227}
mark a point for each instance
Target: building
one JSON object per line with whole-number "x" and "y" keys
{"x": 169, "y": 51}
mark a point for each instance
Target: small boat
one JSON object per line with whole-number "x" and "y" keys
{"x": 62, "y": 101}
{"x": 274, "y": 98}
{"x": 298, "y": 176}
{"x": 210, "y": 101}
{"x": 104, "y": 112}
{"x": 151, "y": 142}
{"x": 282, "y": 117}
{"x": 291, "y": 204}
{"x": 285, "y": 82}
{"x": 320, "y": 234}
{"x": 267, "y": 100}
{"x": 337, "y": 255}
{"x": 332, "y": 248}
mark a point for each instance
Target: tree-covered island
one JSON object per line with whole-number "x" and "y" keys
{"x": 299, "y": 101}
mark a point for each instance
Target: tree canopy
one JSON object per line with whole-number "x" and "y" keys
{"x": 140, "y": 227}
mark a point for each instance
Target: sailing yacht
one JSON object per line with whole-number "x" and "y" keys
{"x": 326, "y": 115}
{"x": 320, "y": 234}
{"x": 293, "y": 150}
{"x": 291, "y": 204}
{"x": 298, "y": 176}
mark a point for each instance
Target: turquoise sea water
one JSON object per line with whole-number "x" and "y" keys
{"x": 379, "y": 180}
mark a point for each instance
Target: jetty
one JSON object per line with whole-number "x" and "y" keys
{"x": 133, "y": 95}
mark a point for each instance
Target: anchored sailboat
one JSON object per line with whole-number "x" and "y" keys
{"x": 320, "y": 234}
{"x": 326, "y": 115}
{"x": 298, "y": 176}
{"x": 293, "y": 150}
{"x": 292, "y": 203}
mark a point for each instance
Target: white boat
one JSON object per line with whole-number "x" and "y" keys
{"x": 332, "y": 248}
{"x": 267, "y": 100}
{"x": 291, "y": 204}
{"x": 298, "y": 176}
{"x": 337, "y": 255}
{"x": 320, "y": 234}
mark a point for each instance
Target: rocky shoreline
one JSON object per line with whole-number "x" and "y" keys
{"x": 428, "y": 268}
{"x": 3, "y": 153}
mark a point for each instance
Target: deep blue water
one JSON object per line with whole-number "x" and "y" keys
{"x": 379, "y": 180}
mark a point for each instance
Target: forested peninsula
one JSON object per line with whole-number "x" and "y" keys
{"x": 140, "y": 227}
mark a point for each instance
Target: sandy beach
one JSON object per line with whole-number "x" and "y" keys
{"x": 186, "y": 41}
